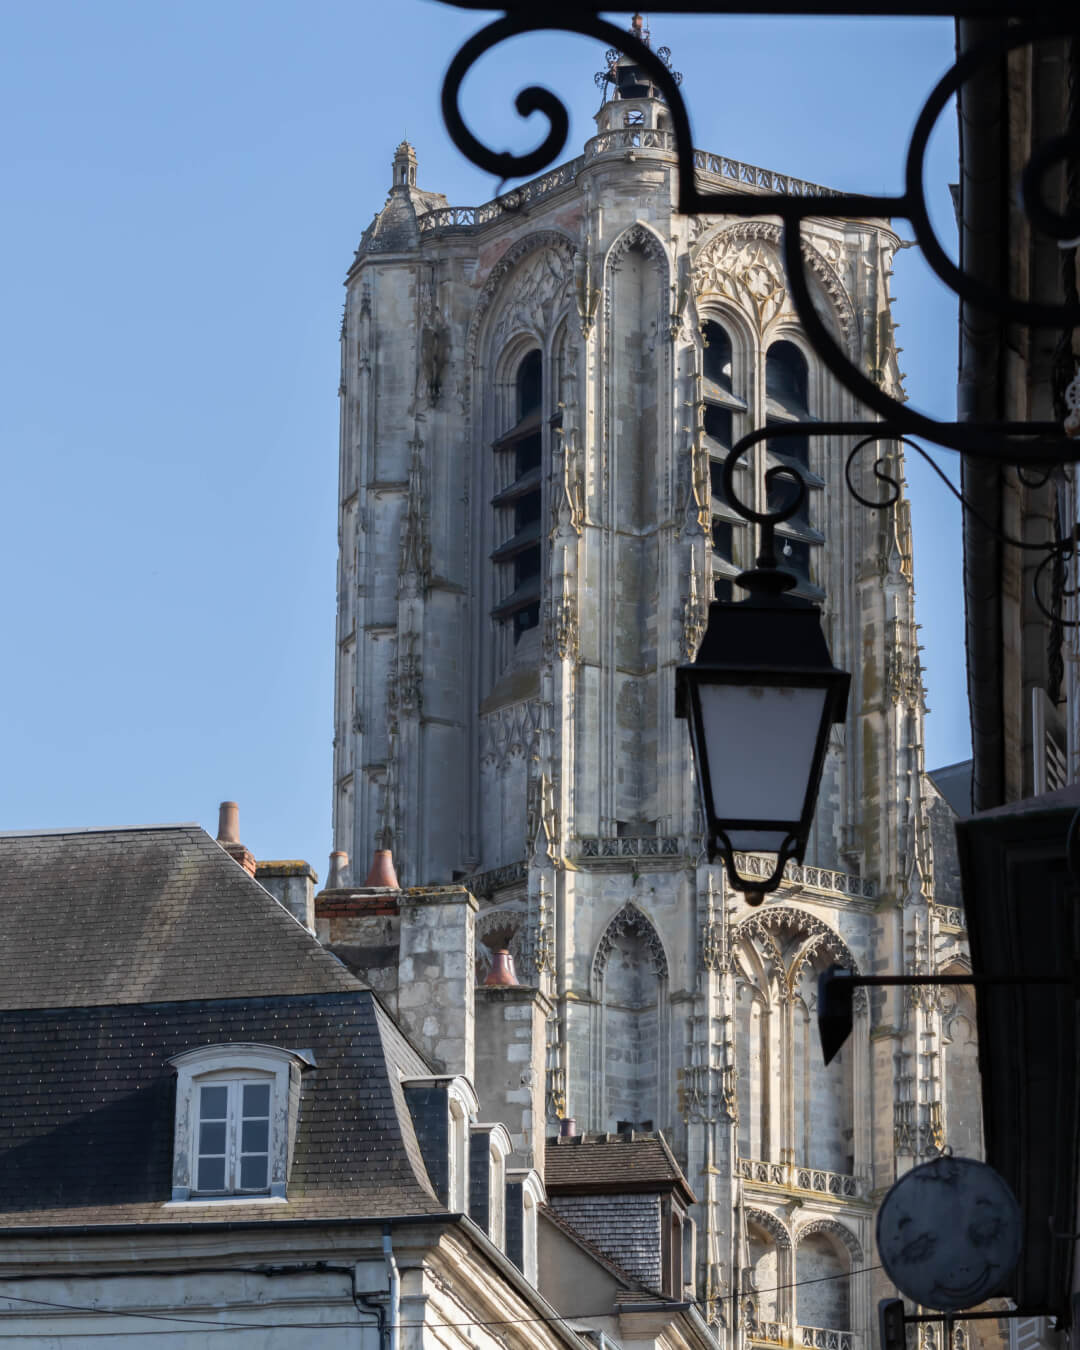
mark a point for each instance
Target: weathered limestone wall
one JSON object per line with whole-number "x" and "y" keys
{"x": 292, "y": 884}
{"x": 417, "y": 950}
{"x": 511, "y": 1047}
{"x": 436, "y": 974}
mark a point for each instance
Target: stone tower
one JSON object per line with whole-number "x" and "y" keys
{"x": 537, "y": 397}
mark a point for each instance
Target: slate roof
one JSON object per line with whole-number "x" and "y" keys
{"x": 590, "y": 1249}
{"x": 595, "y": 1164}
{"x": 145, "y": 915}
{"x": 88, "y": 1101}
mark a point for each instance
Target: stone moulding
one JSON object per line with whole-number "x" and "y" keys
{"x": 631, "y": 921}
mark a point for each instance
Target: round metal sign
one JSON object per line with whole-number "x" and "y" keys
{"x": 949, "y": 1232}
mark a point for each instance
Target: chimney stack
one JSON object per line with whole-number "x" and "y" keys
{"x": 228, "y": 836}
{"x": 339, "y": 868}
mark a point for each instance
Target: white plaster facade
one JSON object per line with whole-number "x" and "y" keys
{"x": 505, "y": 682}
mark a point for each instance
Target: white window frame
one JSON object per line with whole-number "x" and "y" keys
{"x": 533, "y": 1195}
{"x": 232, "y": 1066}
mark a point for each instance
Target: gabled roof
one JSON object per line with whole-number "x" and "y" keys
{"x": 613, "y": 1164}
{"x": 157, "y": 914}
{"x": 86, "y": 1131}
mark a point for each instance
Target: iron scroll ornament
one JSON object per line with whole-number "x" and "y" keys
{"x": 1034, "y": 443}
{"x": 1056, "y": 550}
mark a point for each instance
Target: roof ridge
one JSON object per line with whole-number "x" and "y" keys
{"x": 101, "y": 829}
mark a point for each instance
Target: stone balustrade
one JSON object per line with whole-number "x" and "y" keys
{"x": 825, "y": 1338}
{"x": 791, "y": 1176}
{"x": 626, "y": 140}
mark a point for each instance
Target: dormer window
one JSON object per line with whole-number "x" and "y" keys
{"x": 524, "y": 1196}
{"x": 441, "y": 1109}
{"x": 236, "y": 1112}
{"x": 489, "y": 1149}
{"x": 233, "y": 1137}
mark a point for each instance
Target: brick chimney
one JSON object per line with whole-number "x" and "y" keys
{"x": 228, "y": 836}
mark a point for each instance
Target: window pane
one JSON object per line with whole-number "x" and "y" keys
{"x": 255, "y": 1136}
{"x": 719, "y": 425}
{"x": 212, "y": 1136}
{"x": 211, "y": 1174}
{"x": 253, "y": 1174}
{"x": 256, "y": 1099}
{"x": 213, "y": 1102}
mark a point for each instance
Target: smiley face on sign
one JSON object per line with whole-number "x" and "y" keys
{"x": 949, "y": 1233}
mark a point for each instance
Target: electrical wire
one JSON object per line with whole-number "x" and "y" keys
{"x": 565, "y": 1319}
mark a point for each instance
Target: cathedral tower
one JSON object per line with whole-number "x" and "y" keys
{"x": 538, "y": 396}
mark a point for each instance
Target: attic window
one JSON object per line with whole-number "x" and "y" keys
{"x": 233, "y": 1137}
{"x": 236, "y": 1111}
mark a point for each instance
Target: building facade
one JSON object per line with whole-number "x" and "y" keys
{"x": 538, "y": 397}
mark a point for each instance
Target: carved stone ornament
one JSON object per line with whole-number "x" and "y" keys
{"x": 695, "y": 619}
{"x": 742, "y": 263}
{"x": 531, "y": 282}
{"x": 788, "y": 922}
{"x": 414, "y": 561}
{"x": 630, "y": 922}
{"x": 509, "y": 732}
{"x": 564, "y": 630}
{"x": 768, "y": 1223}
{"x": 834, "y": 1229}
{"x": 638, "y": 236}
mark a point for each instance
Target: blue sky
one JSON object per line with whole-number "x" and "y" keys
{"x": 184, "y": 187}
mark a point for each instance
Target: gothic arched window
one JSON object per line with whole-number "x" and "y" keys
{"x": 822, "y": 1276}
{"x": 787, "y": 399}
{"x": 631, "y": 975}
{"x": 789, "y": 1102}
{"x": 518, "y": 503}
{"x": 722, "y": 404}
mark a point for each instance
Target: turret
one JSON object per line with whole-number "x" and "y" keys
{"x": 630, "y": 95}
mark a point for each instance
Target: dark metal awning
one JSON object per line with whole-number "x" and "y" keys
{"x": 1020, "y": 899}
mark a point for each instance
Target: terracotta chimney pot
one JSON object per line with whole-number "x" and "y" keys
{"x": 502, "y": 970}
{"x": 382, "y": 872}
{"x": 339, "y": 862}
{"x": 228, "y": 830}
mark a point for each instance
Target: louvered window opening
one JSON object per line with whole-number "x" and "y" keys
{"x": 518, "y": 505}
{"x": 787, "y": 394}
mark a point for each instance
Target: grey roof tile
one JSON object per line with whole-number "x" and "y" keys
{"x": 89, "y": 1098}
{"x": 145, "y": 915}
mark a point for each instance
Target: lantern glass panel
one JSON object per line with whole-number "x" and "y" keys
{"x": 760, "y": 741}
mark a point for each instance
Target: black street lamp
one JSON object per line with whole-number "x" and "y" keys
{"x": 760, "y": 697}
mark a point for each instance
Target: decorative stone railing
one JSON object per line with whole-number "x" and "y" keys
{"x": 824, "y": 878}
{"x": 629, "y": 138}
{"x": 452, "y": 219}
{"x": 631, "y": 846}
{"x": 722, "y": 167}
{"x": 952, "y": 916}
{"x": 447, "y": 219}
{"x": 773, "y": 1333}
{"x": 793, "y": 1177}
{"x": 823, "y": 1338}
